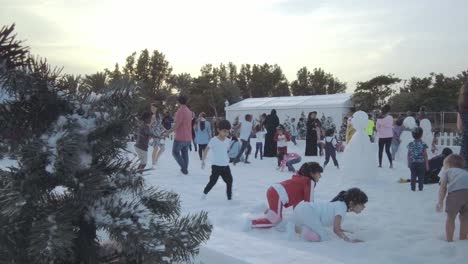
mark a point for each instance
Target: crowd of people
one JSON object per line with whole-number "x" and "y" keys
{"x": 402, "y": 136}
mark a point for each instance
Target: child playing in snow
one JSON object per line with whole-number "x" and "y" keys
{"x": 454, "y": 179}
{"x": 282, "y": 137}
{"x": 309, "y": 219}
{"x": 219, "y": 159}
{"x": 234, "y": 149}
{"x": 330, "y": 147}
{"x": 417, "y": 159}
{"x": 294, "y": 132}
{"x": 259, "y": 138}
{"x": 289, "y": 193}
{"x": 288, "y": 159}
{"x": 143, "y": 138}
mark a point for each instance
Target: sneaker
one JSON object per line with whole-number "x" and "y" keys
{"x": 391, "y": 166}
{"x": 247, "y": 162}
{"x": 203, "y": 197}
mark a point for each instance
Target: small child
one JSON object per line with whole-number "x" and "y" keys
{"x": 219, "y": 159}
{"x": 417, "y": 159}
{"x": 259, "y": 138}
{"x": 234, "y": 149}
{"x": 454, "y": 179}
{"x": 282, "y": 137}
{"x": 310, "y": 218}
{"x": 330, "y": 147}
{"x": 143, "y": 138}
{"x": 289, "y": 193}
{"x": 294, "y": 132}
{"x": 288, "y": 159}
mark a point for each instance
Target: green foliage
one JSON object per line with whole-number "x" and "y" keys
{"x": 374, "y": 93}
{"x": 436, "y": 92}
{"x": 317, "y": 82}
{"x": 73, "y": 177}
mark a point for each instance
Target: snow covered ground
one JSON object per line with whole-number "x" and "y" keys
{"x": 398, "y": 226}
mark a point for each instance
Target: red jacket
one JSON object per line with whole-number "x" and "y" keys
{"x": 299, "y": 188}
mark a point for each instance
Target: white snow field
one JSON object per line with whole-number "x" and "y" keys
{"x": 397, "y": 225}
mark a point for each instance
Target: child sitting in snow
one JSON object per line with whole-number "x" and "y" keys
{"x": 288, "y": 159}
{"x": 454, "y": 180}
{"x": 309, "y": 219}
{"x": 289, "y": 193}
{"x": 282, "y": 137}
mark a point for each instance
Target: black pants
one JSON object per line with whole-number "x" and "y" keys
{"x": 245, "y": 145}
{"x": 201, "y": 148}
{"x": 418, "y": 170}
{"x": 225, "y": 173}
{"x": 330, "y": 151}
{"x": 259, "y": 147}
{"x": 387, "y": 142}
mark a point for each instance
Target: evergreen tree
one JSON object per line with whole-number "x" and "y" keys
{"x": 73, "y": 177}
{"x": 327, "y": 123}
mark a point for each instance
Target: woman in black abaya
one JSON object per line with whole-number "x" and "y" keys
{"x": 271, "y": 122}
{"x": 311, "y": 135}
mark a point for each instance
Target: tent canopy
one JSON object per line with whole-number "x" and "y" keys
{"x": 315, "y": 101}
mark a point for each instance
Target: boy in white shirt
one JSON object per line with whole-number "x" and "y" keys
{"x": 454, "y": 180}
{"x": 219, "y": 159}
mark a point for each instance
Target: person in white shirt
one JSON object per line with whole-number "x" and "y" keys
{"x": 245, "y": 133}
{"x": 219, "y": 159}
{"x": 454, "y": 180}
{"x": 294, "y": 132}
{"x": 309, "y": 219}
{"x": 259, "y": 139}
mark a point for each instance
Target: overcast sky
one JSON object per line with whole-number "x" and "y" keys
{"x": 353, "y": 39}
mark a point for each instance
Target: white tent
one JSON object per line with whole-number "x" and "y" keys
{"x": 334, "y": 105}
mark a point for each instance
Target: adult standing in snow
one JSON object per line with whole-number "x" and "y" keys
{"x": 385, "y": 134}
{"x": 246, "y": 127}
{"x": 183, "y": 134}
{"x": 271, "y": 122}
{"x": 312, "y": 135}
{"x": 462, "y": 119}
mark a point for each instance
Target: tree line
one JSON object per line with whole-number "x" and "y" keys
{"x": 208, "y": 91}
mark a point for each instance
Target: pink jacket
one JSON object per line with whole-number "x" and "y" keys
{"x": 385, "y": 127}
{"x": 287, "y": 157}
{"x": 183, "y": 122}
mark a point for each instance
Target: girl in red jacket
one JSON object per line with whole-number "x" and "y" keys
{"x": 289, "y": 193}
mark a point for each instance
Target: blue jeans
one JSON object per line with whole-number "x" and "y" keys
{"x": 180, "y": 153}
{"x": 394, "y": 148}
{"x": 418, "y": 169}
{"x": 290, "y": 164}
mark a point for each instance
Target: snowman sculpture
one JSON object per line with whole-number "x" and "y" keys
{"x": 427, "y": 137}
{"x": 359, "y": 155}
{"x": 409, "y": 124}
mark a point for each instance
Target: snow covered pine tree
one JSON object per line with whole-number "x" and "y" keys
{"x": 74, "y": 190}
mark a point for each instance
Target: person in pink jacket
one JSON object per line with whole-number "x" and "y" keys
{"x": 385, "y": 134}
{"x": 288, "y": 159}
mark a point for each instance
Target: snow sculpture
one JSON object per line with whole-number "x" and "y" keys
{"x": 427, "y": 138}
{"x": 405, "y": 138}
{"x": 359, "y": 155}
